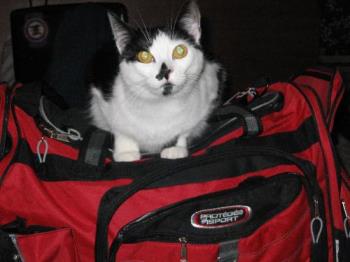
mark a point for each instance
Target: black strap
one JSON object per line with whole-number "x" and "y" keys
{"x": 250, "y": 122}
{"x": 228, "y": 251}
{"x": 94, "y": 148}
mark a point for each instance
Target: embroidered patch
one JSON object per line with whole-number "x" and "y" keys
{"x": 221, "y": 217}
{"x": 36, "y": 30}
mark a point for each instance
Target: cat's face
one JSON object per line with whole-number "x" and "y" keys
{"x": 161, "y": 62}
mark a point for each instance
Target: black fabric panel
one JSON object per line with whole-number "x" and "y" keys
{"x": 19, "y": 226}
{"x": 220, "y": 168}
{"x": 83, "y": 30}
{"x": 292, "y": 142}
{"x": 5, "y": 141}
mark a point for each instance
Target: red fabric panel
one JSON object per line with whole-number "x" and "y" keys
{"x": 57, "y": 245}
{"x": 329, "y": 92}
{"x": 286, "y": 237}
{"x": 32, "y": 135}
{"x": 294, "y": 112}
{"x": 169, "y": 252}
{"x": 337, "y": 95}
{"x": 330, "y": 165}
{"x": 55, "y": 204}
{"x": 320, "y": 86}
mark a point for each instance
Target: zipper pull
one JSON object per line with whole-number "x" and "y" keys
{"x": 346, "y": 220}
{"x": 316, "y": 224}
{"x": 337, "y": 250}
{"x": 183, "y": 252}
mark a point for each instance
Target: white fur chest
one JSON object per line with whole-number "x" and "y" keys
{"x": 154, "y": 124}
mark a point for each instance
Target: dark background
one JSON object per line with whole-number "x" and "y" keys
{"x": 252, "y": 39}
{"x": 255, "y": 38}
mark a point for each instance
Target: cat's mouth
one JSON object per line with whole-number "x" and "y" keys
{"x": 168, "y": 89}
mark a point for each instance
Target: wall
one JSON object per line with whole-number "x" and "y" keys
{"x": 251, "y": 38}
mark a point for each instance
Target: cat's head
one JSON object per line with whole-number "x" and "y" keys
{"x": 161, "y": 62}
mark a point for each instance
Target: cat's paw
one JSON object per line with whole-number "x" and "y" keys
{"x": 174, "y": 152}
{"x": 127, "y": 156}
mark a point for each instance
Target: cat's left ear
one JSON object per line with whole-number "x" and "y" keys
{"x": 120, "y": 30}
{"x": 190, "y": 20}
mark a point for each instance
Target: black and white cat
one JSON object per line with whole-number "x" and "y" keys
{"x": 163, "y": 90}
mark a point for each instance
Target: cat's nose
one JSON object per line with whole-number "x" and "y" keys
{"x": 164, "y": 72}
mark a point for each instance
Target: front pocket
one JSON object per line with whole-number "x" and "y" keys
{"x": 263, "y": 219}
{"x": 40, "y": 244}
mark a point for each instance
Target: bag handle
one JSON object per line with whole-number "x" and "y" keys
{"x": 250, "y": 121}
{"x": 93, "y": 150}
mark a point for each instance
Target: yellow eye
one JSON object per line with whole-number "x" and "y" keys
{"x": 145, "y": 57}
{"x": 179, "y": 52}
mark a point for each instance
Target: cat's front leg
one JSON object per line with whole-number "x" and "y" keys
{"x": 125, "y": 149}
{"x": 177, "y": 151}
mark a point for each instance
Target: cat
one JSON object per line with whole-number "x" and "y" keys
{"x": 163, "y": 91}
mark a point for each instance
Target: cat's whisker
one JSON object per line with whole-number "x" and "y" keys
{"x": 144, "y": 25}
{"x": 172, "y": 9}
{"x": 140, "y": 28}
{"x": 177, "y": 18}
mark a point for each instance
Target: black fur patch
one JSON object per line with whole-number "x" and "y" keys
{"x": 104, "y": 68}
{"x": 105, "y": 65}
{"x": 139, "y": 42}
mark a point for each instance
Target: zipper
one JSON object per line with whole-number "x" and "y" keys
{"x": 316, "y": 226}
{"x": 337, "y": 250}
{"x": 311, "y": 184}
{"x": 272, "y": 104}
{"x": 16, "y": 257}
{"x": 314, "y": 209}
{"x": 346, "y": 221}
{"x": 183, "y": 252}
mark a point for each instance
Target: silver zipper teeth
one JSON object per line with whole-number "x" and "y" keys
{"x": 14, "y": 242}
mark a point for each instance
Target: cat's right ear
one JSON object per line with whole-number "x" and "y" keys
{"x": 120, "y": 30}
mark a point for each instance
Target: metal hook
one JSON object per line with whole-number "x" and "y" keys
{"x": 316, "y": 237}
{"x": 43, "y": 141}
